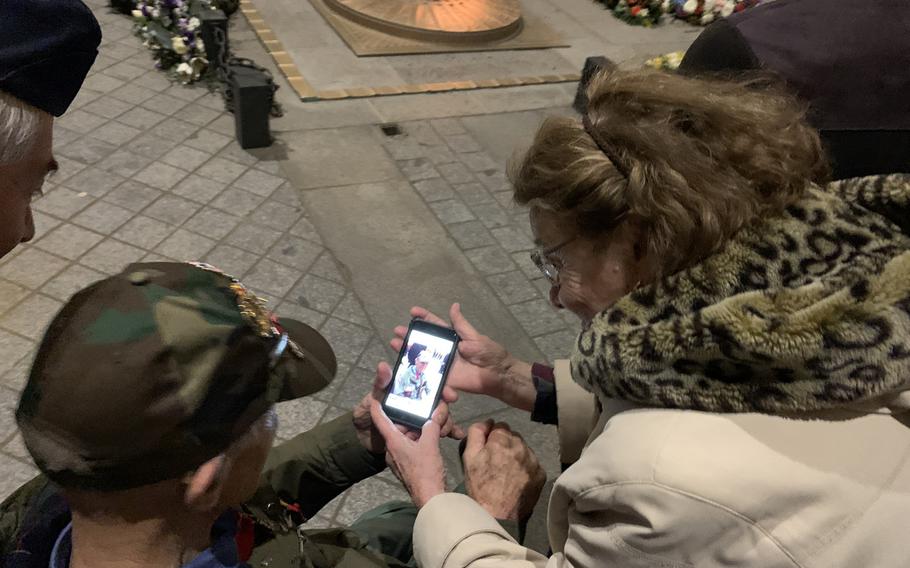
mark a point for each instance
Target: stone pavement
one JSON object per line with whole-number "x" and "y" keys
{"x": 150, "y": 171}
{"x": 337, "y": 224}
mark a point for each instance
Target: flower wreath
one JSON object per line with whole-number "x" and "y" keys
{"x": 171, "y": 29}
{"x": 698, "y": 12}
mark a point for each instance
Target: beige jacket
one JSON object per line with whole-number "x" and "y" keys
{"x": 671, "y": 489}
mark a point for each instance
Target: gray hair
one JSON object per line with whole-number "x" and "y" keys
{"x": 19, "y": 127}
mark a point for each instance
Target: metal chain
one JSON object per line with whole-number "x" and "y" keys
{"x": 225, "y": 74}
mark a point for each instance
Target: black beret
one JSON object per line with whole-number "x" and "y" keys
{"x": 46, "y": 50}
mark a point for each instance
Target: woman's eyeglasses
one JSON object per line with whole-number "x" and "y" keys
{"x": 541, "y": 259}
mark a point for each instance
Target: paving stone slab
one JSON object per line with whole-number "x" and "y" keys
{"x": 111, "y": 256}
{"x": 12, "y": 348}
{"x": 69, "y": 241}
{"x": 451, "y": 211}
{"x": 71, "y": 280}
{"x": 160, "y": 175}
{"x": 198, "y": 188}
{"x": 212, "y": 223}
{"x": 186, "y": 158}
{"x": 253, "y": 238}
{"x": 172, "y": 209}
{"x": 272, "y": 277}
{"x": 31, "y": 268}
{"x": 30, "y": 317}
{"x": 145, "y": 232}
{"x": 10, "y": 295}
{"x": 185, "y": 246}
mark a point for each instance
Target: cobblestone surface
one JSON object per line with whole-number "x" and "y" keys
{"x": 468, "y": 191}
{"x": 150, "y": 171}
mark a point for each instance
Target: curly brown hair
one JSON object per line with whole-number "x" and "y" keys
{"x": 703, "y": 157}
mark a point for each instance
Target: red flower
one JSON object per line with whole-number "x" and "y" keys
{"x": 635, "y": 10}
{"x": 739, "y": 8}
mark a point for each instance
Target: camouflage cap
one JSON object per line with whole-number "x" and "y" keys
{"x": 146, "y": 375}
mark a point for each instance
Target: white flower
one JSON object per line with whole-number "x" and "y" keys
{"x": 137, "y": 14}
{"x": 644, "y": 13}
{"x": 690, "y": 6}
{"x": 666, "y": 5}
{"x": 191, "y": 70}
{"x": 707, "y": 18}
{"x": 194, "y": 23}
{"x": 199, "y": 64}
{"x": 200, "y": 45}
{"x": 178, "y": 45}
{"x": 729, "y": 5}
{"x": 185, "y": 72}
{"x": 156, "y": 13}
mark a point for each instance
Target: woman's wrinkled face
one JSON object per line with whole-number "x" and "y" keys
{"x": 590, "y": 275}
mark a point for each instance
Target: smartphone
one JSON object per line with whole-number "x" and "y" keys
{"x": 420, "y": 373}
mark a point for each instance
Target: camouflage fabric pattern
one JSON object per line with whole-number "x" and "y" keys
{"x": 145, "y": 375}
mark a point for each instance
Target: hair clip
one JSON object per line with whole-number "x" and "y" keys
{"x": 604, "y": 147}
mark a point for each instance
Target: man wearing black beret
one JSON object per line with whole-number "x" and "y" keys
{"x": 46, "y": 49}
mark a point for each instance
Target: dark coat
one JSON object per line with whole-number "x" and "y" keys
{"x": 848, "y": 59}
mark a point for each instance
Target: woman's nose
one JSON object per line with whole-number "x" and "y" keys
{"x": 554, "y": 297}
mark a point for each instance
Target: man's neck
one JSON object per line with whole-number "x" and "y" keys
{"x": 149, "y": 543}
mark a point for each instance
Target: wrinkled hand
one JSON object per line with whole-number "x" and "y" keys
{"x": 501, "y": 472}
{"x": 363, "y": 421}
{"x": 483, "y": 366}
{"x": 417, "y": 462}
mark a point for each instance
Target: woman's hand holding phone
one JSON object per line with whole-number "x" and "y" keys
{"x": 370, "y": 437}
{"x": 415, "y": 459}
{"x": 483, "y": 366}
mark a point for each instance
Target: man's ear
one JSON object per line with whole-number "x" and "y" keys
{"x": 204, "y": 485}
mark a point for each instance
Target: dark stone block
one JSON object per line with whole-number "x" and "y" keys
{"x": 252, "y": 92}
{"x": 213, "y": 20}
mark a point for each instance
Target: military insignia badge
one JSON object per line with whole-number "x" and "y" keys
{"x": 254, "y": 311}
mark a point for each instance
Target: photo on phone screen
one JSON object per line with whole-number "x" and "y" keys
{"x": 419, "y": 373}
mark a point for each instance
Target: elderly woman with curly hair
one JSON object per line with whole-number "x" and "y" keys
{"x": 738, "y": 394}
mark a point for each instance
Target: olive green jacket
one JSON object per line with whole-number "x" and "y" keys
{"x": 299, "y": 478}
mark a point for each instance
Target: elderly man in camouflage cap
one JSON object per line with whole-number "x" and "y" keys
{"x": 46, "y": 50}
{"x": 150, "y": 412}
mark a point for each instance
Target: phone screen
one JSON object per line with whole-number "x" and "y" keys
{"x": 419, "y": 372}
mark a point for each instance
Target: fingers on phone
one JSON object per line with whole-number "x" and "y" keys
{"x": 449, "y": 394}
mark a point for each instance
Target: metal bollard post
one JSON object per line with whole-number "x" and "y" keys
{"x": 212, "y": 20}
{"x": 252, "y": 95}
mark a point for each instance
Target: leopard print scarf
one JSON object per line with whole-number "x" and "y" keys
{"x": 807, "y": 311}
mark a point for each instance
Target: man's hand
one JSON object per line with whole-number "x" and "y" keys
{"x": 501, "y": 472}
{"x": 417, "y": 463}
{"x": 483, "y": 366}
{"x": 363, "y": 422}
